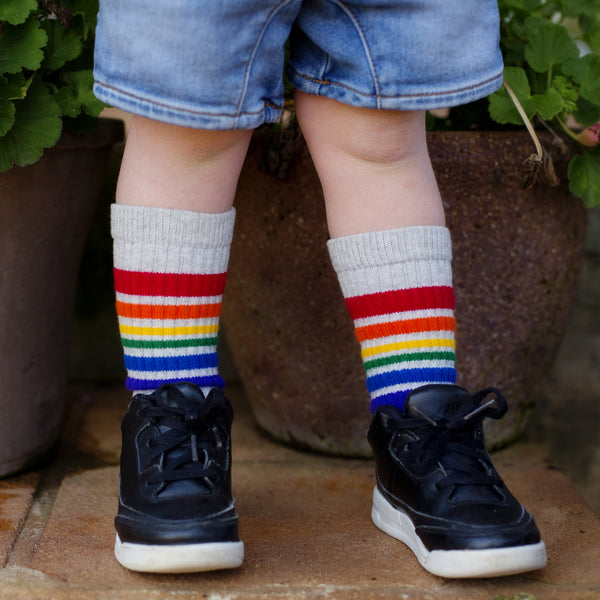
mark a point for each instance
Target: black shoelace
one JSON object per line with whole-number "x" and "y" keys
{"x": 185, "y": 441}
{"x": 452, "y": 444}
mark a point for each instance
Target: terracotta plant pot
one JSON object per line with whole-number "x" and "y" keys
{"x": 45, "y": 213}
{"x": 517, "y": 255}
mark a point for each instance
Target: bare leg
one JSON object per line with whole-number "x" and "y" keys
{"x": 177, "y": 167}
{"x": 373, "y": 165}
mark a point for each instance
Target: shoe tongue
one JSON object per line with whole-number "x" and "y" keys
{"x": 436, "y": 402}
{"x": 196, "y": 406}
{"x": 190, "y": 394}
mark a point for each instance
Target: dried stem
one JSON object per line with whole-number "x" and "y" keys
{"x": 526, "y": 121}
{"x": 536, "y": 164}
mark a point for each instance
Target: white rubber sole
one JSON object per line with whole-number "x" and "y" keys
{"x": 456, "y": 563}
{"x": 182, "y": 558}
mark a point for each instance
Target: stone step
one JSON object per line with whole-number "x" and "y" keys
{"x": 304, "y": 519}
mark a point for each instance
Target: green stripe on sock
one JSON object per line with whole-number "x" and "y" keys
{"x": 188, "y": 343}
{"x": 410, "y": 357}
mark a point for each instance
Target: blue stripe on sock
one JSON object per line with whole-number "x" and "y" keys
{"x": 429, "y": 375}
{"x": 171, "y": 363}
{"x": 396, "y": 399}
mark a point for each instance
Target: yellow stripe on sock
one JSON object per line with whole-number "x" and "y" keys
{"x": 160, "y": 331}
{"x": 448, "y": 343}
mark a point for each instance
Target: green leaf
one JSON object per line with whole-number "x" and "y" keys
{"x": 548, "y": 104}
{"x": 7, "y": 115}
{"x": 37, "y": 126}
{"x": 77, "y": 96}
{"x": 566, "y": 88}
{"x": 16, "y": 12}
{"x": 513, "y": 52}
{"x": 575, "y": 8}
{"x": 87, "y": 10}
{"x": 502, "y": 108}
{"x": 11, "y": 88}
{"x": 517, "y": 79}
{"x": 590, "y": 28}
{"x": 527, "y": 5}
{"x": 21, "y": 47}
{"x": 584, "y": 177}
{"x": 548, "y": 44}
{"x": 586, "y": 113}
{"x": 63, "y": 45}
{"x": 585, "y": 71}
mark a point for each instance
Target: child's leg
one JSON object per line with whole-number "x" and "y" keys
{"x": 172, "y": 227}
{"x": 437, "y": 490}
{"x": 389, "y": 247}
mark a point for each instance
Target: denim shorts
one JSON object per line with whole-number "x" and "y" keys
{"x": 218, "y": 64}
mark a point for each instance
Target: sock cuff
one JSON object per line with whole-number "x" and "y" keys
{"x": 161, "y": 240}
{"x": 171, "y": 226}
{"x": 388, "y": 247}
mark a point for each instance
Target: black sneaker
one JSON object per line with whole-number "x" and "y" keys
{"x": 438, "y": 492}
{"x": 176, "y": 512}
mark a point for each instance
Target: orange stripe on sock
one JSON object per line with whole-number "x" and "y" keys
{"x": 161, "y": 311}
{"x": 371, "y": 332}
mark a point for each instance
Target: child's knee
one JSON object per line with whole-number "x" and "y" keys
{"x": 373, "y": 136}
{"x": 387, "y": 138}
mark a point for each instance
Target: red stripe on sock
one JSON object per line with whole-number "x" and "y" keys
{"x": 370, "y": 305}
{"x": 169, "y": 284}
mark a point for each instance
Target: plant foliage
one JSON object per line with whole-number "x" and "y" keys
{"x": 551, "y": 51}
{"x": 46, "y": 61}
